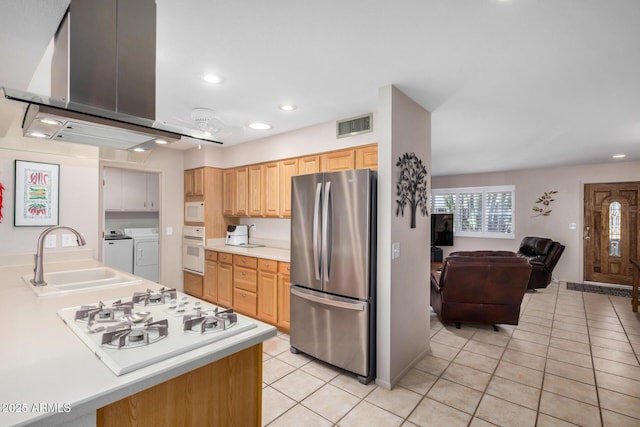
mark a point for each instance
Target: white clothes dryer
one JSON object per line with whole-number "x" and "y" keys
{"x": 146, "y": 252}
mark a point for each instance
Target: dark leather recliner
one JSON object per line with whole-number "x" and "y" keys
{"x": 543, "y": 255}
{"x": 480, "y": 289}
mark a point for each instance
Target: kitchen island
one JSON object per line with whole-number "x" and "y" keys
{"x": 50, "y": 377}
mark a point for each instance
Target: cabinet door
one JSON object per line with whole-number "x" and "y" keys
{"x": 153, "y": 191}
{"x": 288, "y": 169}
{"x": 192, "y": 284}
{"x": 309, "y": 164}
{"x": 188, "y": 183}
{"x": 225, "y": 285}
{"x": 134, "y": 190}
{"x": 338, "y": 161}
{"x": 229, "y": 191}
{"x": 210, "y": 289}
{"x": 268, "y": 297}
{"x": 242, "y": 182}
{"x": 198, "y": 182}
{"x": 271, "y": 190}
{"x": 284, "y": 282}
{"x": 367, "y": 157}
{"x": 112, "y": 189}
{"x": 254, "y": 202}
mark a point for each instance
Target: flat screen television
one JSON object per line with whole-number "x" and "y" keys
{"x": 441, "y": 229}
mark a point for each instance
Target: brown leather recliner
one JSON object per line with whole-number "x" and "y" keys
{"x": 543, "y": 255}
{"x": 480, "y": 289}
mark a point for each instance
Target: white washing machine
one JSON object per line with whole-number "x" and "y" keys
{"x": 145, "y": 252}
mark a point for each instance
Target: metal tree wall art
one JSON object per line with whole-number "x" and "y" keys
{"x": 545, "y": 200}
{"x": 412, "y": 186}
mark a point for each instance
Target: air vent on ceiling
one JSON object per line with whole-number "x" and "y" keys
{"x": 354, "y": 126}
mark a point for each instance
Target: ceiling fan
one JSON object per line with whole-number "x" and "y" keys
{"x": 208, "y": 125}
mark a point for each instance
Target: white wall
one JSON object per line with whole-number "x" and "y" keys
{"x": 566, "y": 209}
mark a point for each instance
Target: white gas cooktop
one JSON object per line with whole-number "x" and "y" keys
{"x": 147, "y": 334}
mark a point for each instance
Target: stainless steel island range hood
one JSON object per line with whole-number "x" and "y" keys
{"x": 102, "y": 80}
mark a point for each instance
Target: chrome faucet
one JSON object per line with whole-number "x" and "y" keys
{"x": 38, "y": 276}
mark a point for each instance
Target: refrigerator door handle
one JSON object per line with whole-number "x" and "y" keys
{"x": 316, "y": 241}
{"x": 356, "y": 306}
{"x": 327, "y": 230}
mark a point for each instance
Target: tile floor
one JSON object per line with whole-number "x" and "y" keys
{"x": 572, "y": 360}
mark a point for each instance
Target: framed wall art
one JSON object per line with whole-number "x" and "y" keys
{"x": 36, "y": 194}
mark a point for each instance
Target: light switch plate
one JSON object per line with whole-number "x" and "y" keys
{"x": 50, "y": 241}
{"x": 395, "y": 250}
{"x": 69, "y": 240}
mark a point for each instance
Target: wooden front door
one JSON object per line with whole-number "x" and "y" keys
{"x": 611, "y": 231}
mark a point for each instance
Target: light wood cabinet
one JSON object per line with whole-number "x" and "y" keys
{"x": 254, "y": 192}
{"x": 245, "y": 285}
{"x": 192, "y": 284}
{"x": 271, "y": 189}
{"x": 308, "y": 164}
{"x": 367, "y": 157}
{"x": 288, "y": 169}
{"x": 268, "y": 290}
{"x": 229, "y": 191}
{"x": 242, "y": 191}
{"x": 210, "y": 287}
{"x": 194, "y": 182}
{"x": 337, "y": 161}
{"x": 225, "y": 282}
{"x": 283, "y": 296}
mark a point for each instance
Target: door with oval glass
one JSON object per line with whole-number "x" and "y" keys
{"x": 611, "y": 231}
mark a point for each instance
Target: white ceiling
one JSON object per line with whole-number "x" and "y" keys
{"x": 517, "y": 84}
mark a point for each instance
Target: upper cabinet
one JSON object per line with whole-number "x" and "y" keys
{"x": 254, "y": 192}
{"x": 194, "y": 183}
{"x": 242, "y": 191}
{"x": 130, "y": 190}
{"x": 367, "y": 157}
{"x": 338, "y": 161}
{"x": 308, "y": 164}
{"x": 271, "y": 189}
{"x": 229, "y": 191}
{"x": 288, "y": 169}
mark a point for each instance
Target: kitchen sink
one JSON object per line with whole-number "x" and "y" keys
{"x": 64, "y": 282}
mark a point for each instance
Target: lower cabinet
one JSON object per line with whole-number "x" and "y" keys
{"x": 245, "y": 285}
{"x": 218, "y": 284}
{"x": 268, "y": 290}
{"x": 284, "y": 284}
{"x": 192, "y": 284}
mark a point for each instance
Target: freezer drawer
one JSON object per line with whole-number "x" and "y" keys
{"x": 332, "y": 329}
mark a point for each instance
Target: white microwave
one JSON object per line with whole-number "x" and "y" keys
{"x": 194, "y": 212}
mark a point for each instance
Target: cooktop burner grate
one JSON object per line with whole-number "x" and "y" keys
{"x": 204, "y": 321}
{"x": 104, "y": 313}
{"x": 130, "y": 337}
{"x": 161, "y": 296}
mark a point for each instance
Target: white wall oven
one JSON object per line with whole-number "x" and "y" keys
{"x": 193, "y": 242}
{"x": 194, "y": 212}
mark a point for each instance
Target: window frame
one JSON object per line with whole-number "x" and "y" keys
{"x": 484, "y": 191}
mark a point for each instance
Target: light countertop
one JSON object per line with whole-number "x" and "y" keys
{"x": 266, "y": 252}
{"x": 50, "y": 377}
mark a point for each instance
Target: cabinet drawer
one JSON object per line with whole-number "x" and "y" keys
{"x": 211, "y": 255}
{"x": 284, "y": 267}
{"x": 245, "y": 302}
{"x": 245, "y": 278}
{"x": 245, "y": 261}
{"x": 225, "y": 257}
{"x": 267, "y": 265}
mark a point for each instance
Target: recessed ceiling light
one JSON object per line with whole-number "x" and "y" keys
{"x": 161, "y": 141}
{"x": 138, "y": 150}
{"x": 287, "y": 107}
{"x": 48, "y": 121}
{"x": 260, "y": 126}
{"x": 38, "y": 134}
{"x": 211, "y": 78}
{"x": 619, "y": 156}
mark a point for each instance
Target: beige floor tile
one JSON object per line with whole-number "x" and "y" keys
{"x": 274, "y": 369}
{"x": 331, "y": 402}
{"x": 528, "y": 347}
{"x": 300, "y": 416}
{"x": 545, "y": 420}
{"x": 533, "y": 327}
{"x": 604, "y": 333}
{"x": 443, "y": 351}
{"x": 539, "y": 313}
{"x": 567, "y": 370}
{"x": 536, "y": 319}
{"x": 469, "y": 377}
{"x": 296, "y": 360}
{"x": 430, "y": 413}
{"x": 398, "y": 401}
{"x": 485, "y": 349}
{"x": 569, "y": 345}
{"x": 520, "y": 374}
{"x": 570, "y": 335}
{"x": 479, "y": 422}
{"x": 274, "y": 404}
{"x": 524, "y": 359}
{"x": 500, "y": 338}
{"x": 514, "y": 392}
{"x": 348, "y": 382}
{"x": 458, "y": 396}
{"x": 620, "y": 403}
{"x": 531, "y": 337}
{"x": 613, "y": 344}
{"x": 367, "y": 415}
{"x": 476, "y": 361}
{"x": 561, "y": 318}
{"x": 633, "y": 338}
{"x": 617, "y": 368}
{"x": 572, "y": 357}
{"x": 619, "y": 384}
{"x": 275, "y": 346}
{"x": 503, "y": 413}
{"x": 446, "y": 337}
{"x": 605, "y": 325}
{"x": 613, "y": 419}
{"x": 418, "y": 381}
{"x": 569, "y": 410}
{"x": 298, "y": 385}
{"x": 432, "y": 365}
{"x": 582, "y": 329}
{"x": 569, "y": 388}
{"x": 321, "y": 370}
{"x": 618, "y": 356}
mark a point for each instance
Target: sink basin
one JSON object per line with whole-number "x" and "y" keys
{"x": 63, "y": 282}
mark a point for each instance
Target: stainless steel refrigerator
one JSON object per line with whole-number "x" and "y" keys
{"x": 333, "y": 269}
